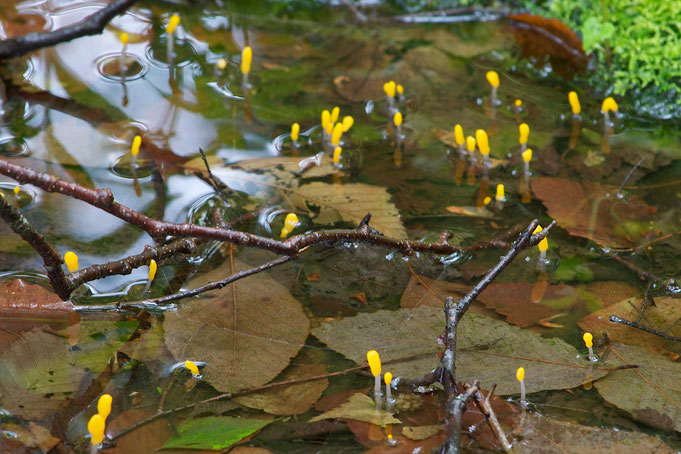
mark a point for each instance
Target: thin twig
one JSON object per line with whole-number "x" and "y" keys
{"x": 486, "y": 408}
{"x": 217, "y": 184}
{"x": 642, "y": 274}
{"x": 91, "y": 25}
{"x": 456, "y": 407}
{"x": 616, "y": 319}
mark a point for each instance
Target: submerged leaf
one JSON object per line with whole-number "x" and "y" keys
{"x": 360, "y": 407}
{"x": 214, "y": 432}
{"x": 261, "y": 347}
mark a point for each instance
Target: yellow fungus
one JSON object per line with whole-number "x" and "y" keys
{"x": 389, "y": 88}
{"x": 470, "y": 144}
{"x": 326, "y": 118}
{"x": 172, "y": 24}
{"x": 388, "y": 378}
{"x": 486, "y": 200}
{"x": 574, "y": 103}
{"x": 124, "y": 38}
{"x": 246, "y": 59}
{"x": 329, "y": 128}
{"x": 483, "y": 141}
{"x": 295, "y": 130}
{"x": 527, "y": 155}
{"x": 284, "y": 233}
{"x": 221, "y": 64}
{"x": 501, "y": 193}
{"x": 335, "y": 113}
{"x": 136, "y": 143}
{"x": 104, "y": 405}
{"x": 397, "y": 119}
{"x": 96, "y": 428}
{"x": 400, "y": 89}
{"x": 337, "y": 155}
{"x": 458, "y": 135}
{"x": 348, "y": 121}
{"x": 374, "y": 362}
{"x": 152, "y": 269}
{"x": 518, "y": 103}
{"x": 291, "y": 222}
{"x": 524, "y": 131}
{"x": 588, "y": 340}
{"x": 609, "y": 105}
{"x": 192, "y": 367}
{"x": 71, "y": 260}
{"x": 544, "y": 243}
{"x": 493, "y": 78}
{"x": 16, "y": 190}
{"x": 520, "y": 374}
{"x": 336, "y": 134}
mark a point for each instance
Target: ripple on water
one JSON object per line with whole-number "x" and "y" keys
{"x": 123, "y": 167}
{"x": 12, "y": 146}
{"x": 108, "y": 66}
{"x": 25, "y": 198}
{"x": 184, "y": 52}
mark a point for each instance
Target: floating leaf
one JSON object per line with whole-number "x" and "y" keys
{"x": 34, "y": 436}
{"x": 488, "y": 350}
{"x": 540, "y": 434}
{"x": 360, "y": 407}
{"x": 664, "y": 314}
{"x": 475, "y": 212}
{"x": 214, "y": 432}
{"x": 293, "y": 399}
{"x": 203, "y": 330}
{"x": 422, "y": 432}
{"x": 593, "y": 211}
{"x": 649, "y": 393}
{"x": 145, "y": 439}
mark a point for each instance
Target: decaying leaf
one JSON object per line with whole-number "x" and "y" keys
{"x": 261, "y": 347}
{"x": 147, "y": 438}
{"x": 360, "y": 407}
{"x": 649, "y": 393}
{"x": 593, "y": 211}
{"x": 33, "y": 436}
{"x": 475, "y": 212}
{"x": 214, "y": 432}
{"x": 488, "y": 350}
{"x": 422, "y": 432}
{"x": 665, "y": 312}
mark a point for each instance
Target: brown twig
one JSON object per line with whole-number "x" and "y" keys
{"x": 616, "y": 319}
{"x": 91, "y": 25}
{"x": 642, "y": 274}
{"x": 455, "y": 409}
{"x": 486, "y": 408}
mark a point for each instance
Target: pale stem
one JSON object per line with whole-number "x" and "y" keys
{"x": 388, "y": 396}
{"x": 148, "y": 286}
{"x": 523, "y": 147}
{"x": 592, "y": 357}
{"x": 94, "y": 449}
{"x": 377, "y": 386}
{"x": 244, "y": 82}
{"x": 526, "y": 171}
{"x": 523, "y": 402}
{"x": 494, "y": 97}
{"x": 121, "y": 62}
{"x": 171, "y": 47}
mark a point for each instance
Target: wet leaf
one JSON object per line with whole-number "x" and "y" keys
{"x": 488, "y": 350}
{"x": 145, "y": 439}
{"x": 37, "y": 376}
{"x": 360, "y": 407}
{"x": 203, "y": 330}
{"x": 215, "y": 432}
{"x": 663, "y": 315}
{"x": 540, "y": 434}
{"x": 476, "y": 212}
{"x": 33, "y": 436}
{"x": 593, "y": 211}
{"x": 650, "y": 394}
{"x": 422, "y": 432}
{"x": 293, "y": 399}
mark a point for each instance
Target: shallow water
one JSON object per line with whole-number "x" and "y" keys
{"x": 67, "y": 116}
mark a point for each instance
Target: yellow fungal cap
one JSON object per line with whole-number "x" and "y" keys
{"x": 329, "y": 128}
{"x": 246, "y": 59}
{"x": 71, "y": 260}
{"x": 136, "y": 143}
{"x": 492, "y": 78}
{"x": 609, "y": 105}
{"x": 152, "y": 269}
{"x": 470, "y": 144}
{"x": 588, "y": 340}
{"x": 335, "y": 113}
{"x": 574, "y": 103}
{"x": 104, "y": 405}
{"x": 501, "y": 193}
{"x": 527, "y": 155}
{"x": 348, "y": 121}
{"x": 524, "y": 131}
{"x": 397, "y": 119}
{"x": 326, "y": 118}
{"x": 389, "y": 88}
{"x": 336, "y": 134}
{"x": 192, "y": 367}
{"x": 518, "y": 102}
{"x": 458, "y": 135}
{"x": 400, "y": 89}
{"x": 486, "y": 200}
{"x": 96, "y": 428}
{"x": 543, "y": 244}
{"x": 124, "y": 38}
{"x": 374, "y": 362}
{"x": 295, "y": 130}
{"x": 483, "y": 141}
{"x": 388, "y": 378}
{"x": 291, "y": 222}
{"x": 520, "y": 374}
{"x": 172, "y": 23}
{"x": 221, "y": 64}
{"x": 16, "y": 190}
{"x": 337, "y": 154}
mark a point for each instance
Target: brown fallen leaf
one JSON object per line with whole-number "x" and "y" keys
{"x": 33, "y": 436}
{"x": 360, "y": 407}
{"x": 593, "y": 211}
{"x": 147, "y": 438}
{"x": 361, "y": 297}
{"x": 477, "y": 212}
